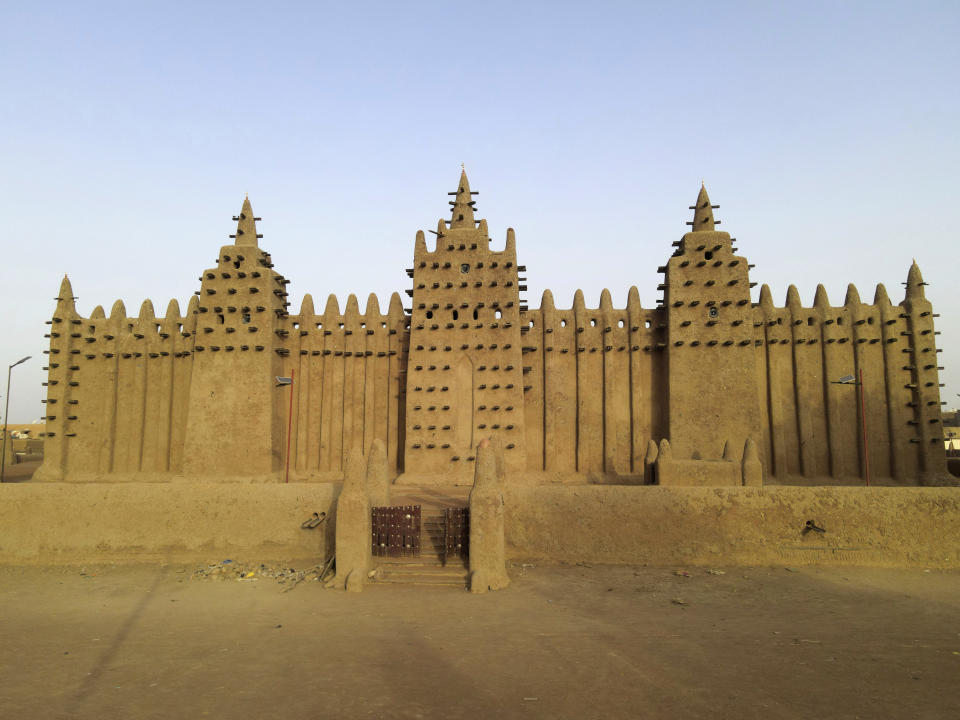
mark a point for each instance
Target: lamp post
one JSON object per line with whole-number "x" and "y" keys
{"x": 851, "y": 380}
{"x": 6, "y": 412}
{"x": 283, "y": 382}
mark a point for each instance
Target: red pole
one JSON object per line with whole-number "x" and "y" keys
{"x": 863, "y": 423}
{"x": 290, "y": 424}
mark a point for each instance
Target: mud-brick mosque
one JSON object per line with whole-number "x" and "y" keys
{"x": 707, "y": 388}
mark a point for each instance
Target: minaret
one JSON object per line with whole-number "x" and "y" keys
{"x": 927, "y": 420}
{"x": 61, "y": 384}
{"x": 711, "y": 355}
{"x": 465, "y": 366}
{"x": 233, "y": 425}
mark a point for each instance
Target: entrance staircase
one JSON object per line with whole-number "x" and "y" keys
{"x": 429, "y": 568}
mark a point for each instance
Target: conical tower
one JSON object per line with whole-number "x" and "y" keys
{"x": 711, "y": 350}
{"x": 233, "y": 425}
{"x": 465, "y": 366}
{"x": 927, "y": 421}
{"x": 61, "y": 386}
{"x": 703, "y": 213}
{"x": 463, "y": 204}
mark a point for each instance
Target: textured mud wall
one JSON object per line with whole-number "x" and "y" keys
{"x": 734, "y": 526}
{"x": 67, "y": 522}
{"x": 117, "y": 391}
{"x": 348, "y": 389}
{"x": 811, "y": 425}
{"x": 592, "y": 397}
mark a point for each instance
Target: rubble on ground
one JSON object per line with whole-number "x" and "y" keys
{"x": 242, "y": 572}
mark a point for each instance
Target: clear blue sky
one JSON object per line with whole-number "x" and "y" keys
{"x": 827, "y": 132}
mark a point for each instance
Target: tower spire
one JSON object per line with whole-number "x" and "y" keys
{"x": 65, "y": 298}
{"x": 703, "y": 212}
{"x": 463, "y": 204}
{"x": 915, "y": 283}
{"x": 246, "y": 226}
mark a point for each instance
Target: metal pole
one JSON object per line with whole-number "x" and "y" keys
{"x": 863, "y": 424}
{"x": 289, "y": 426}
{"x": 6, "y": 412}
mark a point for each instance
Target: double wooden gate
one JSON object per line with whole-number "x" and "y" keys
{"x": 397, "y": 531}
{"x": 456, "y": 533}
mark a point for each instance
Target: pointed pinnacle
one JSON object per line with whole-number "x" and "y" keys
{"x": 880, "y": 296}
{"x": 146, "y": 311}
{"x": 793, "y": 298}
{"x": 666, "y": 452}
{"x": 246, "y": 226}
{"x": 331, "y": 310}
{"x": 66, "y": 292}
{"x": 606, "y": 300}
{"x": 703, "y": 212}
{"x": 173, "y": 310}
{"x": 820, "y": 299}
{"x": 766, "y": 298}
{"x": 546, "y": 303}
{"x": 306, "y": 309}
{"x": 915, "y": 283}
{"x": 652, "y": 452}
{"x": 853, "y": 295}
{"x": 463, "y": 205}
{"x": 372, "y": 310}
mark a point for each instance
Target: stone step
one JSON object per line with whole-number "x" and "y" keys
{"x": 458, "y": 582}
{"x": 425, "y": 559}
{"x": 418, "y": 571}
{"x": 457, "y": 570}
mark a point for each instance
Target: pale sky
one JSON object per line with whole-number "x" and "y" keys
{"x": 130, "y": 131}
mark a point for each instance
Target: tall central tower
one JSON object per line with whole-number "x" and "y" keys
{"x": 234, "y": 420}
{"x": 712, "y": 363}
{"x": 464, "y": 374}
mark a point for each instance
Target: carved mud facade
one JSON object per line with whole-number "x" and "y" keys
{"x": 573, "y": 395}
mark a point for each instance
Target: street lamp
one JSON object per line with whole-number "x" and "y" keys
{"x": 6, "y": 412}
{"x": 851, "y": 380}
{"x": 283, "y": 382}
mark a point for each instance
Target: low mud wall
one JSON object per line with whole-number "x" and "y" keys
{"x": 50, "y": 523}
{"x": 735, "y": 526}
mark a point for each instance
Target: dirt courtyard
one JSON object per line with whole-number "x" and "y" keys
{"x": 561, "y": 642}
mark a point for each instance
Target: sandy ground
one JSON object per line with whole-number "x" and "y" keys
{"x": 561, "y": 642}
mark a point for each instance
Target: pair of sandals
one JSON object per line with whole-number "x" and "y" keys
{"x": 313, "y": 521}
